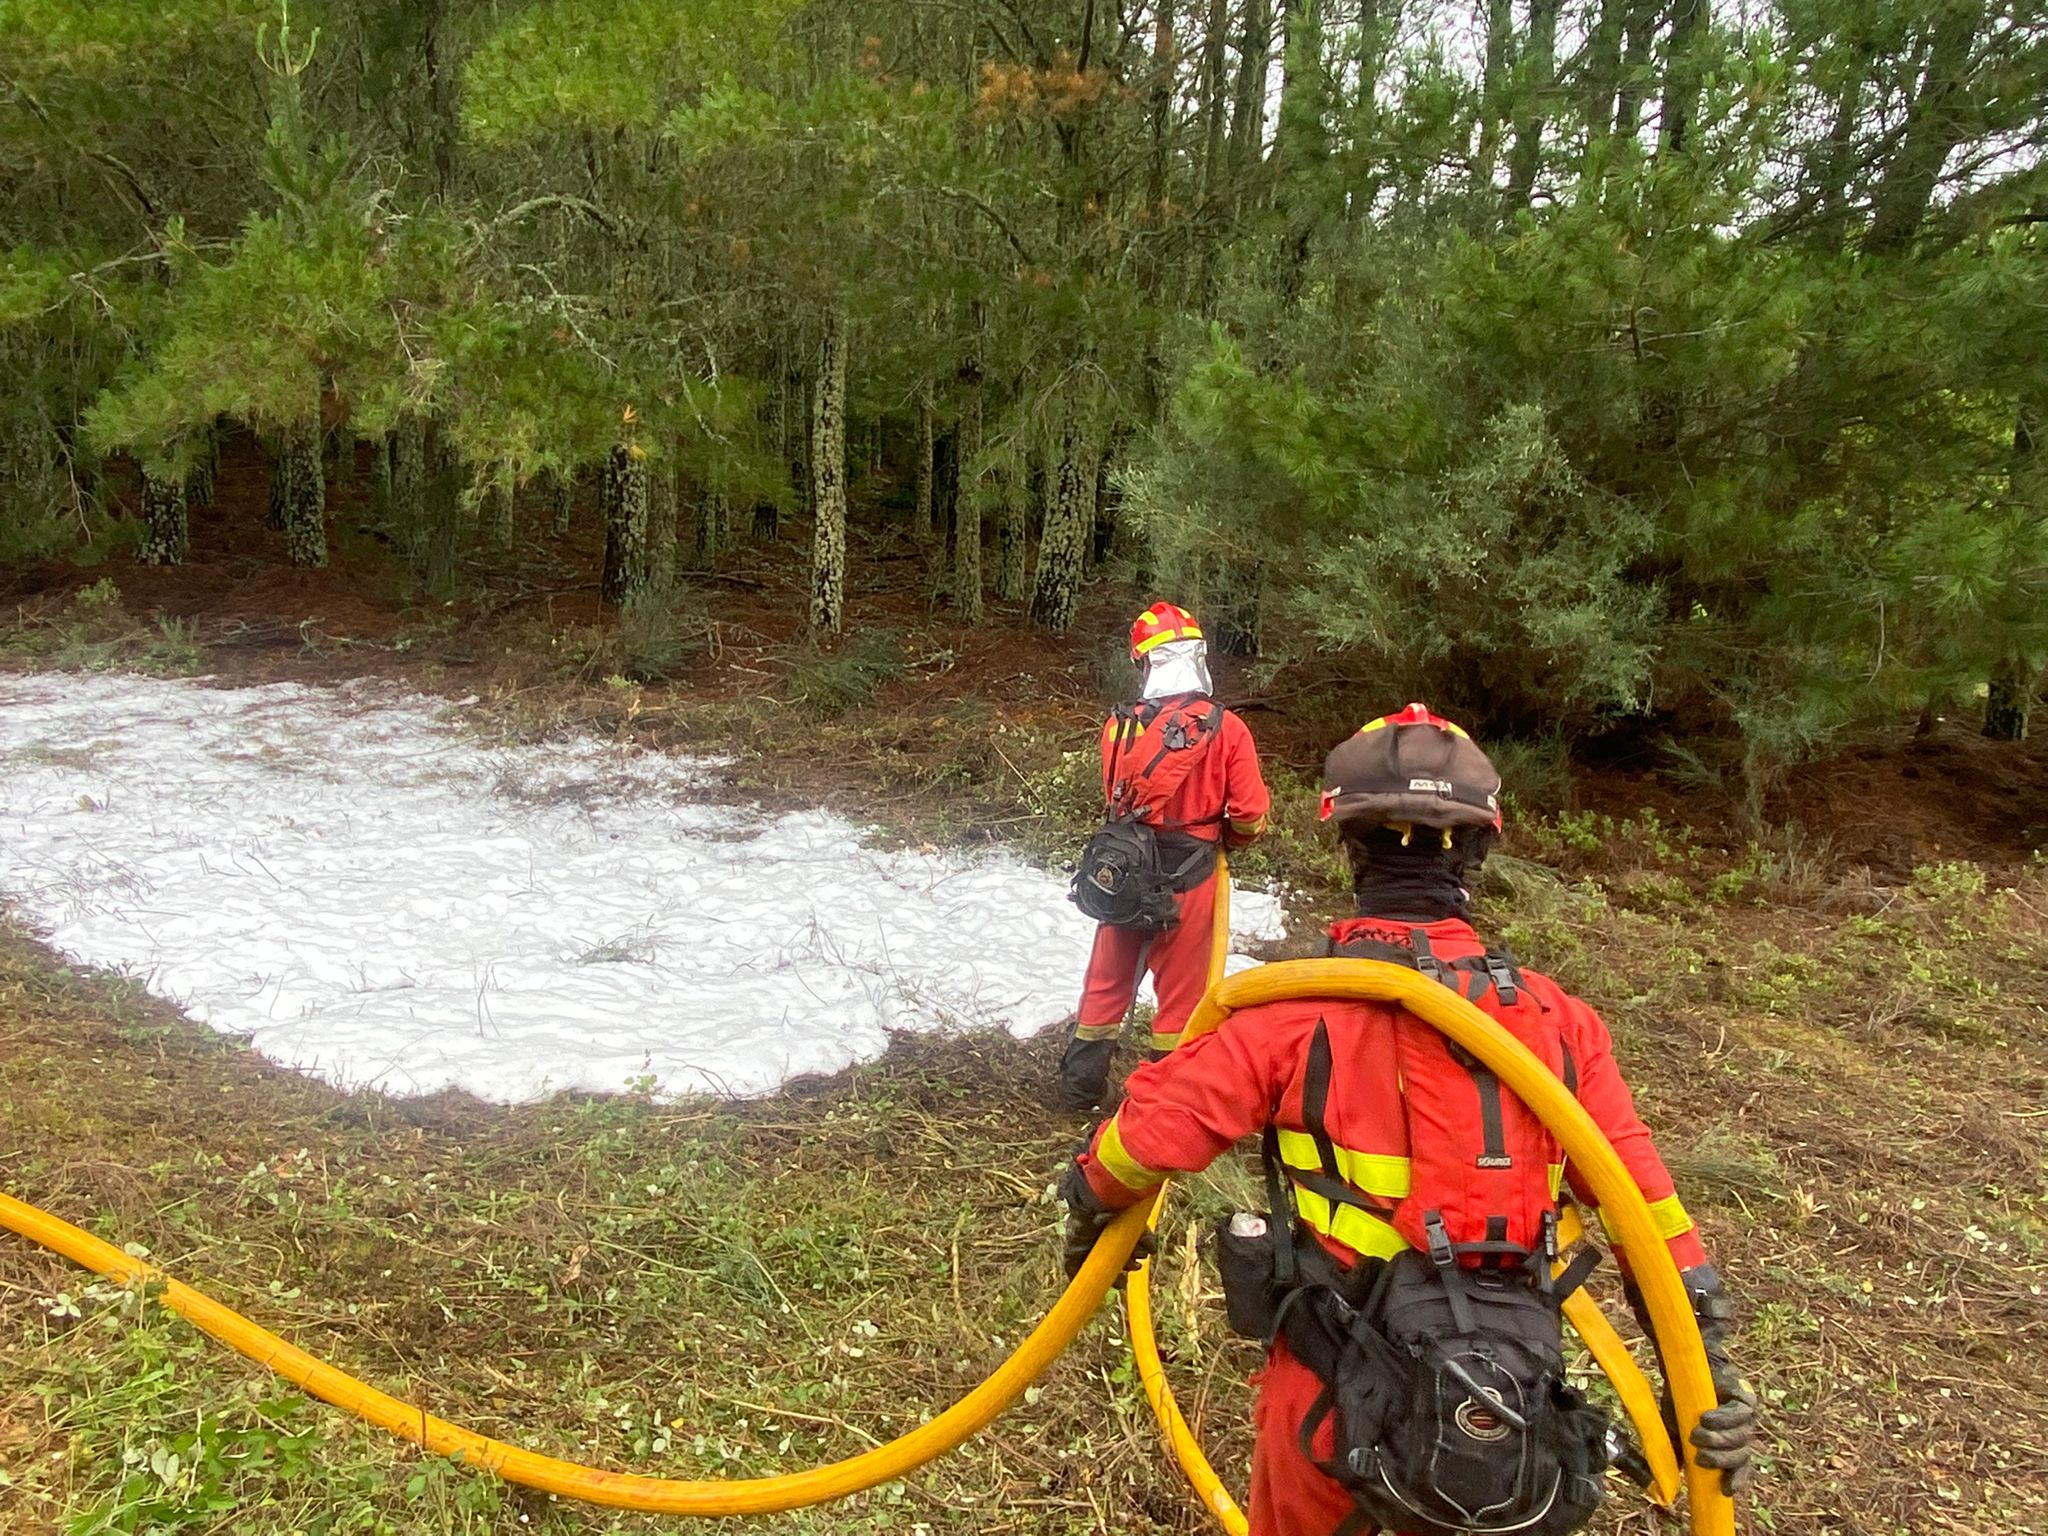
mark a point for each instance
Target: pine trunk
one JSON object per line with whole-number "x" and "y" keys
{"x": 1682, "y": 75}
{"x": 1235, "y": 604}
{"x": 1526, "y": 157}
{"x": 167, "y": 538}
{"x": 1013, "y": 537}
{"x": 205, "y": 475}
{"x": 408, "y": 516}
{"x": 921, "y": 506}
{"x": 714, "y": 519}
{"x": 499, "y": 527}
{"x": 273, "y": 512}
{"x": 2010, "y": 701}
{"x": 662, "y": 507}
{"x": 625, "y": 524}
{"x": 1061, "y": 548}
{"x": 442, "y": 511}
{"x": 342, "y": 446}
{"x": 380, "y": 479}
{"x": 797, "y": 391}
{"x": 968, "y": 508}
{"x": 301, "y": 494}
{"x": 561, "y": 492}
{"x": 828, "y": 482}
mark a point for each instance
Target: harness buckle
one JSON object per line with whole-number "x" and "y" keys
{"x": 1441, "y": 1253}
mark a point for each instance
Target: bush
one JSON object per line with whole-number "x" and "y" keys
{"x": 833, "y": 682}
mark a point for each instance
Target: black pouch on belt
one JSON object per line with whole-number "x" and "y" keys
{"x": 1248, "y": 1259}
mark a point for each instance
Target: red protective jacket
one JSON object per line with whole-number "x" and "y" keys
{"x": 1181, "y": 1113}
{"x": 1223, "y": 794}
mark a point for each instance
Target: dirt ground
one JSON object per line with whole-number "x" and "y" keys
{"x": 1835, "y": 1025}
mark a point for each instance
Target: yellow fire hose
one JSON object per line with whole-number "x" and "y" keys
{"x": 624, "y": 1490}
{"x": 1638, "y": 1398}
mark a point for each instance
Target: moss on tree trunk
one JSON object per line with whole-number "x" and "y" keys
{"x": 969, "y": 502}
{"x": 828, "y": 482}
{"x": 299, "y": 494}
{"x": 625, "y": 523}
{"x": 166, "y": 535}
{"x": 408, "y": 514}
{"x": 1061, "y": 549}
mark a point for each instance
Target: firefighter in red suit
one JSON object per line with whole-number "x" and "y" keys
{"x": 1213, "y": 796}
{"x": 1415, "y": 801}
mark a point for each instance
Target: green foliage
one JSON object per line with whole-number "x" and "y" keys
{"x": 847, "y": 677}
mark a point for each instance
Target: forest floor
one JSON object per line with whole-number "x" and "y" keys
{"x": 1835, "y": 1022}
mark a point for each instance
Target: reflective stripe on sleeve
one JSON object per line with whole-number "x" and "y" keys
{"x": 1119, "y": 1164}
{"x": 1671, "y": 1218}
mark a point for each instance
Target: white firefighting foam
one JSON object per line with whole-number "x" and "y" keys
{"x": 350, "y": 879}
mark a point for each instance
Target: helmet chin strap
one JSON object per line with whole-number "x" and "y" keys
{"x": 1179, "y": 666}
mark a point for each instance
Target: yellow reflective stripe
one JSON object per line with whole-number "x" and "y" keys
{"x": 1556, "y": 1180}
{"x": 1098, "y": 1031}
{"x": 1367, "y": 1236}
{"x": 1249, "y": 828}
{"x": 1189, "y": 633}
{"x": 1372, "y": 1173}
{"x": 1121, "y": 1166}
{"x": 1165, "y": 1042}
{"x": 1671, "y": 1217}
{"x": 1672, "y": 1220}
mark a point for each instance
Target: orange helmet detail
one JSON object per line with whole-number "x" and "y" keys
{"x": 1159, "y": 624}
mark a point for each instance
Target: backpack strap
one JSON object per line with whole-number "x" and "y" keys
{"x": 1425, "y": 960}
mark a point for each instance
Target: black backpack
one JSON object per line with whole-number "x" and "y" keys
{"x": 1442, "y": 1368}
{"x": 1125, "y": 880}
{"x": 1132, "y": 868}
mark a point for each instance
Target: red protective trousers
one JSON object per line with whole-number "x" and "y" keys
{"x": 1291, "y": 1495}
{"x": 1178, "y": 960}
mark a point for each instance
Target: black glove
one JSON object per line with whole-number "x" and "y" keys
{"x": 1087, "y": 1219}
{"x": 1725, "y": 1437}
{"x": 1724, "y": 1440}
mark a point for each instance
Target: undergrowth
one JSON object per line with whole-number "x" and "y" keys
{"x": 1849, "y": 1099}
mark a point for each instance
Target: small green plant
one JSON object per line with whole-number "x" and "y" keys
{"x": 652, "y": 642}
{"x": 833, "y": 682}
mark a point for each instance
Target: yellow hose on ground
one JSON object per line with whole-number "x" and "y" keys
{"x": 1628, "y": 1214}
{"x": 623, "y": 1490}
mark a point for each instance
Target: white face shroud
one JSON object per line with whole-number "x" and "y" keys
{"x": 1179, "y": 666}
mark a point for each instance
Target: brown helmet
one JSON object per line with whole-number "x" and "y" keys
{"x": 1414, "y": 767}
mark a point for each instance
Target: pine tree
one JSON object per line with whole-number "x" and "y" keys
{"x": 1056, "y": 589}
{"x": 300, "y": 493}
{"x": 625, "y": 503}
{"x": 970, "y": 472}
{"x": 828, "y": 479}
{"x": 167, "y": 536}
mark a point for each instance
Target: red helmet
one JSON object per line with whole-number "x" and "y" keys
{"x": 1414, "y": 767}
{"x": 1160, "y": 623}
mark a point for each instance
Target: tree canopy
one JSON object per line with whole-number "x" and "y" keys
{"x": 1570, "y": 362}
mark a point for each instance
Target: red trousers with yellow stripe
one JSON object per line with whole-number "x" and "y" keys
{"x": 1178, "y": 960}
